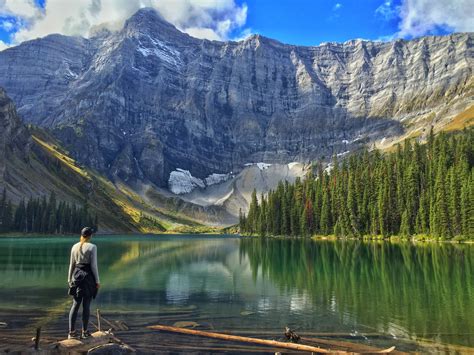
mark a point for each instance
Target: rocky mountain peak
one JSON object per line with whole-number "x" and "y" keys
{"x": 149, "y": 21}
{"x": 151, "y": 99}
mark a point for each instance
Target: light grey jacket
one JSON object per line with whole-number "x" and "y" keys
{"x": 87, "y": 254}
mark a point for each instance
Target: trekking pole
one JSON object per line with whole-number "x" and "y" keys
{"x": 98, "y": 319}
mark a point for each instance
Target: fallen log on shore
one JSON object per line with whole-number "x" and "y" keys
{"x": 351, "y": 347}
{"x": 272, "y": 343}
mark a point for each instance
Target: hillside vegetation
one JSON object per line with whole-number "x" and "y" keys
{"x": 49, "y": 169}
{"x": 423, "y": 190}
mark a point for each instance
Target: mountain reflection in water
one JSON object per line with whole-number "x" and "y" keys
{"x": 327, "y": 286}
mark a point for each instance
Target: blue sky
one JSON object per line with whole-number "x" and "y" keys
{"x": 303, "y": 22}
{"x": 310, "y": 22}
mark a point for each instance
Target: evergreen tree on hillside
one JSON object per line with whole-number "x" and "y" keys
{"x": 44, "y": 215}
{"x": 418, "y": 189}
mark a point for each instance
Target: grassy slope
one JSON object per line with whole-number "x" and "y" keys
{"x": 462, "y": 120}
{"x": 49, "y": 168}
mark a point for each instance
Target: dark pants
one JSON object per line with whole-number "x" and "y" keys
{"x": 86, "y": 304}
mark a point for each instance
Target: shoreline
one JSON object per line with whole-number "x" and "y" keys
{"x": 40, "y": 235}
{"x": 392, "y": 239}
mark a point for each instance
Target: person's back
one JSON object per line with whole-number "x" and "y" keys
{"x": 84, "y": 253}
{"x": 83, "y": 280}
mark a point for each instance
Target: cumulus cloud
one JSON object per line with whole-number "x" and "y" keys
{"x": 3, "y": 45}
{"x": 21, "y": 8}
{"x": 212, "y": 19}
{"x": 421, "y": 17}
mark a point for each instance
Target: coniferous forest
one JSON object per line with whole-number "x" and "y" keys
{"x": 420, "y": 189}
{"x": 44, "y": 215}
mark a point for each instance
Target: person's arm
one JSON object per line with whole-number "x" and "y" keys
{"x": 95, "y": 270}
{"x": 72, "y": 265}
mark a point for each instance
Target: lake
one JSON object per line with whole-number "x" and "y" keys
{"x": 377, "y": 293}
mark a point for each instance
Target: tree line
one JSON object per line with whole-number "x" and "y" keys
{"x": 44, "y": 215}
{"x": 420, "y": 189}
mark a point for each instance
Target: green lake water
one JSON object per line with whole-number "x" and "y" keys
{"x": 397, "y": 289}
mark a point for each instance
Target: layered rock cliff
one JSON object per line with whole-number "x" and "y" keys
{"x": 142, "y": 102}
{"x": 33, "y": 164}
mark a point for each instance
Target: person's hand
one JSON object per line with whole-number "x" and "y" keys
{"x": 97, "y": 285}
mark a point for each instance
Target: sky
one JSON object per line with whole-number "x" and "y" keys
{"x": 301, "y": 22}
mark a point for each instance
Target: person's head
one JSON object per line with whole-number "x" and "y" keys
{"x": 86, "y": 234}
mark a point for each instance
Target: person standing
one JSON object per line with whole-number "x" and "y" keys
{"x": 83, "y": 281}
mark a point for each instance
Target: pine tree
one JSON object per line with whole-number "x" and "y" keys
{"x": 7, "y": 219}
{"x": 420, "y": 189}
{"x": 326, "y": 220}
{"x": 440, "y": 222}
{"x": 3, "y": 205}
{"x": 352, "y": 208}
{"x": 262, "y": 218}
{"x": 307, "y": 225}
{"x": 252, "y": 218}
{"x": 405, "y": 224}
{"x": 467, "y": 209}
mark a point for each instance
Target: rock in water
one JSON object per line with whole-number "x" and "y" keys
{"x": 291, "y": 335}
{"x": 246, "y": 313}
{"x": 111, "y": 349}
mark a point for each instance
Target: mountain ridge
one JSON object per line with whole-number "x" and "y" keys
{"x": 142, "y": 102}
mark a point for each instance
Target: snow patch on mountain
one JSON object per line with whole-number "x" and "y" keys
{"x": 182, "y": 182}
{"x": 161, "y": 50}
{"x": 261, "y": 166}
{"x": 293, "y": 164}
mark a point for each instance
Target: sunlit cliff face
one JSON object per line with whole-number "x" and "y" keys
{"x": 151, "y": 99}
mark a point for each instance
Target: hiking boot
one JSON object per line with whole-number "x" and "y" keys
{"x": 73, "y": 335}
{"x": 85, "y": 334}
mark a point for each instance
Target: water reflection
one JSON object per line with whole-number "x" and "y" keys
{"x": 396, "y": 289}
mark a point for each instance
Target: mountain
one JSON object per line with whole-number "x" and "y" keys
{"x": 33, "y": 164}
{"x": 141, "y": 102}
{"x": 155, "y": 109}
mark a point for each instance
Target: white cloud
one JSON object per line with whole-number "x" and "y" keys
{"x": 337, "y": 6}
{"x": 421, "y": 17}
{"x": 21, "y": 8}
{"x": 7, "y": 25}
{"x": 3, "y": 45}
{"x": 212, "y": 19}
{"x": 200, "y": 32}
{"x": 387, "y": 10}
{"x": 243, "y": 35}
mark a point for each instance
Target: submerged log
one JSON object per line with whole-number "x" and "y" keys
{"x": 348, "y": 346}
{"x": 241, "y": 339}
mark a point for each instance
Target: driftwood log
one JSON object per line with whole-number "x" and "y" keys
{"x": 359, "y": 348}
{"x": 348, "y": 346}
{"x": 272, "y": 343}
